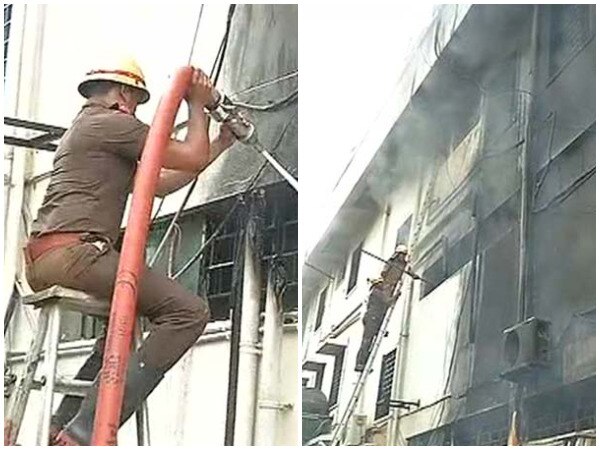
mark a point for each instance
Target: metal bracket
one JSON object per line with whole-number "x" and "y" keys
{"x": 404, "y": 404}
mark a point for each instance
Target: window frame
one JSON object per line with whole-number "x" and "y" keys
{"x": 354, "y": 269}
{"x": 321, "y": 308}
{"x": 384, "y": 391}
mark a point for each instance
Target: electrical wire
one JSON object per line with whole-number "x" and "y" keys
{"x": 269, "y": 106}
{"x": 196, "y": 33}
{"x": 264, "y": 84}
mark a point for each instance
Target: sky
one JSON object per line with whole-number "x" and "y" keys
{"x": 350, "y": 56}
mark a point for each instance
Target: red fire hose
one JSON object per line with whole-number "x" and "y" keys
{"x": 124, "y": 301}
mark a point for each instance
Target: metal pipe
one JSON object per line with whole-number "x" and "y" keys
{"x": 131, "y": 263}
{"x": 249, "y": 351}
{"x": 268, "y": 390}
{"x": 400, "y": 365}
{"x": 516, "y": 393}
{"x": 525, "y": 175}
{"x": 234, "y": 347}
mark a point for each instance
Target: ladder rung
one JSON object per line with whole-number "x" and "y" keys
{"x": 66, "y": 386}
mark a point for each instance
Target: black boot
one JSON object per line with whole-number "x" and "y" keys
{"x": 141, "y": 379}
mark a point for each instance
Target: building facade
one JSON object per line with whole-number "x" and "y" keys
{"x": 483, "y": 163}
{"x": 47, "y": 49}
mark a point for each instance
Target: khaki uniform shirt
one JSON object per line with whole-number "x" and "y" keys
{"x": 92, "y": 172}
{"x": 391, "y": 275}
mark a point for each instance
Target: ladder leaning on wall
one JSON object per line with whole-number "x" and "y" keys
{"x": 361, "y": 382}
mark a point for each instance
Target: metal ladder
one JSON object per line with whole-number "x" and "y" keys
{"x": 50, "y": 302}
{"x": 360, "y": 384}
{"x": 362, "y": 378}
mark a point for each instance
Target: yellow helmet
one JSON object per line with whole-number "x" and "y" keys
{"x": 401, "y": 248}
{"x": 125, "y": 71}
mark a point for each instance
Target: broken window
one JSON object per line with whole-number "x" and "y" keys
{"x": 386, "y": 380}
{"x": 354, "y": 264}
{"x": 571, "y": 28}
{"x": 321, "y": 308}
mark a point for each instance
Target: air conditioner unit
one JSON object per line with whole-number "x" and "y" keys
{"x": 526, "y": 349}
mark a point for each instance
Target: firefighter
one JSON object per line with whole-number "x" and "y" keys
{"x": 382, "y": 294}
{"x": 72, "y": 242}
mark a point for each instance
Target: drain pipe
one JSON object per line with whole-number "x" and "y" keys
{"x": 524, "y": 305}
{"x": 400, "y": 369}
{"x": 268, "y": 403}
{"x": 525, "y": 172}
{"x": 249, "y": 349}
{"x": 124, "y": 302}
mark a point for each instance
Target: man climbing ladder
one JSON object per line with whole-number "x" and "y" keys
{"x": 383, "y": 293}
{"x": 72, "y": 240}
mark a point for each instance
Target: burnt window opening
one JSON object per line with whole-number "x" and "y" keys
{"x": 571, "y": 28}
{"x": 280, "y": 240}
{"x": 448, "y": 263}
{"x": 7, "y": 22}
{"x": 354, "y": 266}
{"x": 386, "y": 380}
{"x": 320, "y": 308}
{"x": 403, "y": 235}
{"x": 435, "y": 275}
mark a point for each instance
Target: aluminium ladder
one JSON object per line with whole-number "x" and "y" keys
{"x": 360, "y": 384}
{"x": 50, "y": 302}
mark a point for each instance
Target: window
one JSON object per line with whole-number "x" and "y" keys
{"x": 403, "y": 235}
{"x": 218, "y": 270}
{"x": 435, "y": 274}
{"x": 320, "y": 308}
{"x": 280, "y": 238}
{"x": 336, "y": 381}
{"x": 449, "y": 262}
{"x": 7, "y": 21}
{"x": 354, "y": 264}
{"x": 386, "y": 379}
{"x": 570, "y": 29}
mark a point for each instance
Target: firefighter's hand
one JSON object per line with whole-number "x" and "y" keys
{"x": 225, "y": 138}
{"x": 201, "y": 91}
